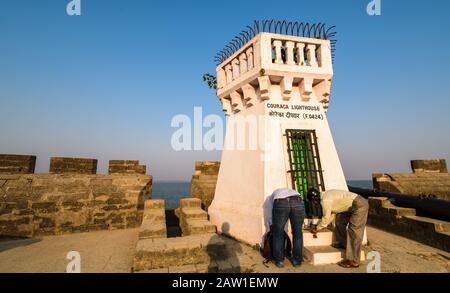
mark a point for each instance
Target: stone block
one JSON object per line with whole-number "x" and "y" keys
{"x": 195, "y": 226}
{"x": 60, "y": 165}
{"x": 126, "y": 167}
{"x": 193, "y": 213}
{"x": 439, "y": 166}
{"x": 149, "y": 229}
{"x": 175, "y": 252}
{"x": 155, "y": 216}
{"x": 17, "y": 164}
{"x": 154, "y": 204}
{"x": 190, "y": 203}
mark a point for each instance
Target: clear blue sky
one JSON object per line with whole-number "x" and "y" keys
{"x": 107, "y": 84}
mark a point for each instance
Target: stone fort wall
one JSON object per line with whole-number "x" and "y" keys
{"x": 71, "y": 198}
{"x": 428, "y": 178}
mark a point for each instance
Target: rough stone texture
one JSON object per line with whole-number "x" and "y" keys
{"x": 17, "y": 164}
{"x": 126, "y": 166}
{"x": 193, "y": 220}
{"x": 436, "y": 166}
{"x": 403, "y": 221}
{"x": 203, "y": 183}
{"x": 60, "y": 165}
{"x": 47, "y": 204}
{"x": 420, "y": 184}
{"x": 175, "y": 252}
{"x": 154, "y": 220}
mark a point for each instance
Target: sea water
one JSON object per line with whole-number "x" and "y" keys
{"x": 173, "y": 191}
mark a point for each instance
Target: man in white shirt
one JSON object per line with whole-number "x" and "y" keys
{"x": 351, "y": 211}
{"x": 286, "y": 204}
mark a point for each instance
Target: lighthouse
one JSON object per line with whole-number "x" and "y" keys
{"x": 274, "y": 85}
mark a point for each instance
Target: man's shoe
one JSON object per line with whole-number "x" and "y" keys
{"x": 296, "y": 263}
{"x": 279, "y": 264}
{"x": 348, "y": 264}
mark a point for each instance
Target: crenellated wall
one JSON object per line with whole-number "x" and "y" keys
{"x": 60, "y": 165}
{"x": 203, "y": 183}
{"x": 126, "y": 167}
{"x": 17, "y": 164}
{"x": 429, "y": 178}
{"x": 49, "y": 204}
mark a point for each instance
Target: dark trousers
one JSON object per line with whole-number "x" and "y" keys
{"x": 350, "y": 228}
{"x": 291, "y": 208}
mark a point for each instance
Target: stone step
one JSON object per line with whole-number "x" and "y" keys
{"x": 324, "y": 238}
{"x": 194, "y": 213}
{"x": 320, "y": 255}
{"x": 154, "y": 204}
{"x": 155, "y": 215}
{"x": 174, "y": 252}
{"x": 196, "y": 226}
{"x": 149, "y": 229}
{"x": 190, "y": 203}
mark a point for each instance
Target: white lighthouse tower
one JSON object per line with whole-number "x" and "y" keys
{"x": 274, "y": 83}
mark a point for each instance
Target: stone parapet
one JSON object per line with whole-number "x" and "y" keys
{"x": 203, "y": 183}
{"x": 59, "y": 165}
{"x": 421, "y": 183}
{"x": 126, "y": 167}
{"x": 403, "y": 221}
{"x": 436, "y": 166}
{"x": 17, "y": 164}
{"x": 49, "y": 204}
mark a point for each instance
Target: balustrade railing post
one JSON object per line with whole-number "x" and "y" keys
{"x": 300, "y": 54}
{"x": 290, "y": 53}
{"x": 278, "y": 58}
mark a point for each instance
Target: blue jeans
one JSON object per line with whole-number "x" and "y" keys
{"x": 291, "y": 208}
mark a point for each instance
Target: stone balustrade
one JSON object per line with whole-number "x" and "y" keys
{"x": 294, "y": 64}
{"x": 269, "y": 49}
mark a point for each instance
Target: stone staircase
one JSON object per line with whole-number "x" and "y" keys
{"x": 193, "y": 252}
{"x": 193, "y": 220}
{"x": 154, "y": 220}
{"x": 319, "y": 250}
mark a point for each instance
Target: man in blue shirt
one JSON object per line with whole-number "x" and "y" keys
{"x": 286, "y": 204}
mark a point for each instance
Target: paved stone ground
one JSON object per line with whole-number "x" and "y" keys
{"x": 112, "y": 251}
{"x": 101, "y": 251}
{"x": 398, "y": 255}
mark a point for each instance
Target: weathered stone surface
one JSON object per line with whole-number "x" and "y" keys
{"x": 430, "y": 184}
{"x": 154, "y": 220}
{"x": 154, "y": 204}
{"x": 175, "y": 252}
{"x": 436, "y": 166}
{"x": 190, "y": 203}
{"x": 193, "y": 220}
{"x": 40, "y": 204}
{"x": 17, "y": 164}
{"x": 126, "y": 166}
{"x": 203, "y": 183}
{"x": 60, "y": 165}
{"x": 198, "y": 226}
{"x": 150, "y": 229}
{"x": 403, "y": 221}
